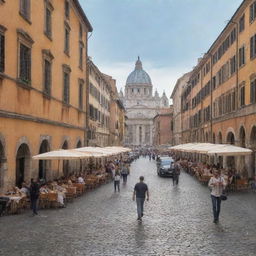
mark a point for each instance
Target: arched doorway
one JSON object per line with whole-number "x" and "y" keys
{"x": 242, "y": 137}
{"x": 2, "y": 161}
{"x": 231, "y": 159}
{"x": 241, "y": 159}
{"x": 220, "y": 138}
{"x": 79, "y": 144}
{"x": 43, "y": 164}
{"x": 65, "y": 162}
{"x": 206, "y": 137}
{"x": 213, "y": 138}
{"x": 23, "y": 159}
{"x": 253, "y": 147}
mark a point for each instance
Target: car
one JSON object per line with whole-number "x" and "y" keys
{"x": 165, "y": 167}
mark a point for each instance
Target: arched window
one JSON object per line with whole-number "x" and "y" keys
{"x": 43, "y": 164}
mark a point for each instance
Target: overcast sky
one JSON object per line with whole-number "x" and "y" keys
{"x": 168, "y": 35}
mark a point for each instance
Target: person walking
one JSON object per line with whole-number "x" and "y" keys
{"x": 124, "y": 173}
{"x": 34, "y": 195}
{"x": 176, "y": 175}
{"x": 140, "y": 192}
{"x": 217, "y": 184}
{"x": 117, "y": 178}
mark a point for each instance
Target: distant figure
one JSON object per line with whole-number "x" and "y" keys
{"x": 34, "y": 195}
{"x": 140, "y": 191}
{"x": 176, "y": 175}
{"x": 124, "y": 173}
{"x": 117, "y": 178}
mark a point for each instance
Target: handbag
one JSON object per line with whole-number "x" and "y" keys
{"x": 224, "y": 196}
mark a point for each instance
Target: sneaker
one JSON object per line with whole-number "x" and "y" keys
{"x": 138, "y": 218}
{"x": 215, "y": 221}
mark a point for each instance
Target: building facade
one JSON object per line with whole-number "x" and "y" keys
{"x": 219, "y": 101}
{"x": 141, "y": 107}
{"x": 100, "y": 91}
{"x": 43, "y": 48}
{"x": 163, "y": 127}
{"x": 176, "y": 98}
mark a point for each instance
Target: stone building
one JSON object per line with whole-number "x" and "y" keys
{"x": 43, "y": 52}
{"x": 176, "y": 98}
{"x": 163, "y": 127}
{"x": 141, "y": 106}
{"x": 100, "y": 91}
{"x": 218, "y": 102}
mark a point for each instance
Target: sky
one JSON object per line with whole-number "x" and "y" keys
{"x": 168, "y": 35}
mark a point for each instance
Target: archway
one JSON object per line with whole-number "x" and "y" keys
{"x": 242, "y": 137}
{"x": 220, "y": 138}
{"x": 79, "y": 144}
{"x": 253, "y": 147}
{"x": 65, "y": 162}
{"x": 206, "y": 137}
{"x": 213, "y": 138}
{"x": 22, "y": 164}
{"x": 231, "y": 159}
{"x": 43, "y": 164}
{"x": 231, "y": 138}
{"x": 2, "y": 161}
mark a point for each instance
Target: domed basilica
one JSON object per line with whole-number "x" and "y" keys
{"x": 141, "y": 106}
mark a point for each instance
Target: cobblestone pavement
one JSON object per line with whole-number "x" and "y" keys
{"x": 177, "y": 221}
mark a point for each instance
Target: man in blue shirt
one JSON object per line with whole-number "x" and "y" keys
{"x": 140, "y": 191}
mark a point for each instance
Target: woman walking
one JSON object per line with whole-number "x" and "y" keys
{"x": 217, "y": 185}
{"x": 117, "y": 178}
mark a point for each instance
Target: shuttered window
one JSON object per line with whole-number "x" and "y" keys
{"x": 66, "y": 88}
{"x": 25, "y": 64}
{"x": 47, "y": 77}
{"x": 2, "y": 53}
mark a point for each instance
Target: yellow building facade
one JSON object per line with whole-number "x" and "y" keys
{"x": 43, "y": 46}
{"x": 218, "y": 103}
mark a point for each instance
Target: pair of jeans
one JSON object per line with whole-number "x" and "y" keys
{"x": 124, "y": 178}
{"x": 216, "y": 202}
{"x": 33, "y": 202}
{"x": 140, "y": 204}
{"x": 117, "y": 185}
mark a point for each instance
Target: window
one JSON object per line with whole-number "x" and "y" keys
{"x": 80, "y": 31}
{"x": 252, "y": 12}
{"x": 80, "y": 95}
{"x": 2, "y": 49}
{"x": 242, "y": 96}
{"x": 253, "y": 91}
{"x": 241, "y": 23}
{"x": 25, "y": 64}
{"x": 66, "y": 83}
{"x": 48, "y": 19}
{"x": 214, "y": 83}
{"x": 241, "y": 56}
{"x": 47, "y": 76}
{"x": 67, "y": 9}
{"x": 233, "y": 65}
{"x": 233, "y": 36}
{"x": 81, "y": 51}
{"x": 25, "y": 9}
{"x": 253, "y": 47}
{"x": 67, "y": 39}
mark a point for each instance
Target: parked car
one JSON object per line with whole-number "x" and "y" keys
{"x": 165, "y": 166}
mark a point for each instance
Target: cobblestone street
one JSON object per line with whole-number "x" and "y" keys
{"x": 177, "y": 221}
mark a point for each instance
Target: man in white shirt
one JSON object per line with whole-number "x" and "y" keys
{"x": 217, "y": 185}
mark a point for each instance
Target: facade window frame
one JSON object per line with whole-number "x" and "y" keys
{"x": 25, "y": 10}
{"x": 24, "y": 72}
{"x": 242, "y": 94}
{"x": 81, "y": 54}
{"x": 242, "y": 23}
{"x": 80, "y": 93}
{"x": 2, "y": 48}
{"x": 66, "y": 84}
{"x": 47, "y": 71}
{"x": 253, "y": 90}
{"x": 252, "y": 15}
{"x": 242, "y": 57}
{"x": 67, "y": 9}
{"x": 253, "y": 47}
{"x": 48, "y": 18}
{"x": 67, "y": 38}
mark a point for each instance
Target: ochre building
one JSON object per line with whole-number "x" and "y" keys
{"x": 43, "y": 53}
{"x": 219, "y": 101}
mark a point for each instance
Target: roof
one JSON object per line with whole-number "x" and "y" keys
{"x": 82, "y": 13}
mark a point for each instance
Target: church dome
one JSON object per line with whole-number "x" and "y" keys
{"x": 138, "y": 76}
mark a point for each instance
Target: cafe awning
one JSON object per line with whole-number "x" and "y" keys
{"x": 212, "y": 149}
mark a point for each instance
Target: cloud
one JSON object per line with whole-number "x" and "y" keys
{"x": 163, "y": 78}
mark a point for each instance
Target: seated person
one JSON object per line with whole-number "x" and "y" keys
{"x": 80, "y": 180}
{"x": 24, "y": 189}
